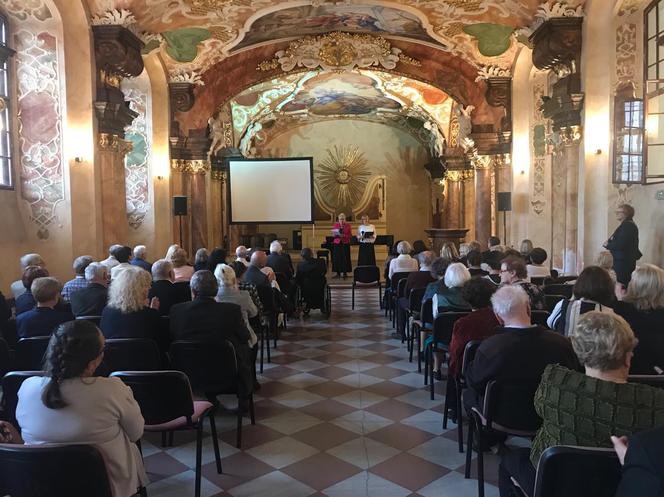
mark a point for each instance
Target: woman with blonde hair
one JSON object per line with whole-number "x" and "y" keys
{"x": 605, "y": 261}
{"x": 643, "y": 308}
{"x": 129, "y": 314}
{"x": 230, "y": 293}
{"x": 449, "y": 252}
{"x": 182, "y": 270}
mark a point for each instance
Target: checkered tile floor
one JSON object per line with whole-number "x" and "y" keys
{"x": 341, "y": 413}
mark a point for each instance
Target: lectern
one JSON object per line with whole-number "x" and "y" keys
{"x": 439, "y": 236}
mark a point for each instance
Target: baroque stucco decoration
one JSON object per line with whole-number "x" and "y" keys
{"x": 338, "y": 51}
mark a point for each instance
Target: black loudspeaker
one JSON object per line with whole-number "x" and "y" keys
{"x": 504, "y": 201}
{"x": 179, "y": 206}
{"x": 297, "y": 240}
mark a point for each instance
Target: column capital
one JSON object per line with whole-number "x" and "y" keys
{"x": 114, "y": 143}
{"x": 190, "y": 166}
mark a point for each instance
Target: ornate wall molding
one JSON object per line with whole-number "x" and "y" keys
{"x": 338, "y": 51}
{"x": 113, "y": 143}
{"x": 625, "y": 56}
{"x": 181, "y": 96}
{"x": 195, "y": 166}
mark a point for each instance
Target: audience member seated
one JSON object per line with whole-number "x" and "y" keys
{"x": 201, "y": 259}
{"x": 79, "y": 282}
{"x": 217, "y": 256}
{"x": 474, "y": 263}
{"x": 466, "y": 248}
{"x": 451, "y": 297}
{"x": 492, "y": 263}
{"x": 403, "y": 263}
{"x": 513, "y": 272}
{"x": 164, "y": 288}
{"x": 26, "y": 301}
{"x": 605, "y": 261}
{"x": 418, "y": 247}
{"x": 593, "y": 291}
{"x": 181, "y": 270}
{"x": 585, "y": 410}
{"x": 438, "y": 268}
{"x": 536, "y": 267}
{"x": 140, "y": 258}
{"x": 392, "y": 254}
{"x": 17, "y": 287}
{"x": 519, "y": 351}
{"x": 205, "y": 319}
{"x": 278, "y": 261}
{"x": 242, "y": 255}
{"x": 170, "y": 251}
{"x": 494, "y": 246}
{"x": 122, "y": 253}
{"x": 71, "y": 406}
{"x": 449, "y": 252}
{"x": 254, "y": 274}
{"x": 421, "y": 278}
{"x": 44, "y": 318}
{"x": 127, "y": 315}
{"x": 240, "y": 270}
{"x": 110, "y": 262}
{"x": 642, "y": 457}
{"x": 92, "y": 299}
{"x": 643, "y": 309}
{"x": 229, "y": 293}
{"x": 525, "y": 249}
{"x": 310, "y": 277}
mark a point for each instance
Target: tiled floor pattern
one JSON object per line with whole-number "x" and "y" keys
{"x": 341, "y": 413}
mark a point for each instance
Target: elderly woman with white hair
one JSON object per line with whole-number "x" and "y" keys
{"x": 229, "y": 292}
{"x": 450, "y": 297}
{"x": 403, "y": 263}
{"x": 129, "y": 314}
{"x": 25, "y": 261}
{"x": 586, "y": 410}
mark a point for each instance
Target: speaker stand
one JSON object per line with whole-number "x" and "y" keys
{"x": 504, "y": 228}
{"x": 180, "y": 217}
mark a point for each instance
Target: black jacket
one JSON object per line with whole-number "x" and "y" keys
{"x": 205, "y": 319}
{"x": 643, "y": 472}
{"x": 40, "y": 321}
{"x": 169, "y": 294}
{"x": 89, "y": 301}
{"x": 256, "y": 277}
{"x": 624, "y": 243}
{"x": 145, "y": 323}
{"x": 648, "y": 327}
{"x": 280, "y": 263}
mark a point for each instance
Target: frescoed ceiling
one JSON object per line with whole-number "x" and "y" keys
{"x": 196, "y": 34}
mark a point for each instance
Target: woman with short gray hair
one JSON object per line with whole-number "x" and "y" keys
{"x": 403, "y": 263}
{"x": 230, "y": 293}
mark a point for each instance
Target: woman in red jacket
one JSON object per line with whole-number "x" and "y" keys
{"x": 341, "y": 246}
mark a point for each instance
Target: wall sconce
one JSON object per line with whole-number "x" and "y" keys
{"x": 598, "y": 151}
{"x": 78, "y": 160}
{"x": 160, "y": 178}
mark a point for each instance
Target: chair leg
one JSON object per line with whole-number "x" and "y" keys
{"x": 238, "y": 430}
{"x": 252, "y": 410}
{"x": 480, "y": 464}
{"x": 380, "y": 297}
{"x": 411, "y": 342}
{"x": 143, "y": 492}
{"x": 164, "y": 439}
{"x": 353, "y": 298}
{"x": 140, "y": 447}
{"x": 215, "y": 440}
{"x": 446, "y": 406}
{"x": 469, "y": 445}
{"x": 199, "y": 453}
{"x": 426, "y": 366}
{"x": 419, "y": 349}
{"x": 432, "y": 353}
{"x": 262, "y": 348}
{"x": 267, "y": 343}
{"x": 171, "y": 435}
{"x": 459, "y": 409}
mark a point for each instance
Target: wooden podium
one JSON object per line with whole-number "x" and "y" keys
{"x": 439, "y": 236}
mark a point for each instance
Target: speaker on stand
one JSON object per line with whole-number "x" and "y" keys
{"x": 179, "y": 210}
{"x": 504, "y": 202}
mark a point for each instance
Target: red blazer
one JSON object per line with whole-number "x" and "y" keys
{"x": 477, "y": 325}
{"x": 345, "y": 234}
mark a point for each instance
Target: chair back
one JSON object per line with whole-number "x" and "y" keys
{"x": 366, "y": 274}
{"x": 426, "y": 312}
{"x": 5, "y": 357}
{"x": 11, "y": 384}
{"x": 29, "y": 353}
{"x": 550, "y": 301}
{"x": 541, "y": 280}
{"x": 162, "y": 395}
{"x": 415, "y": 299}
{"x": 211, "y": 368}
{"x": 53, "y": 471}
{"x": 444, "y": 324}
{"x": 469, "y": 352}
{"x": 566, "y": 471}
{"x": 401, "y": 287}
{"x": 130, "y": 354}
{"x": 266, "y": 295}
{"x": 509, "y": 406}
{"x": 93, "y": 319}
{"x": 539, "y": 317}
{"x": 654, "y": 380}
{"x": 559, "y": 289}
{"x": 563, "y": 279}
{"x": 396, "y": 277}
{"x": 282, "y": 281}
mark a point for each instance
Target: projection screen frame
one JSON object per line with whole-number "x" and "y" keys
{"x": 271, "y": 159}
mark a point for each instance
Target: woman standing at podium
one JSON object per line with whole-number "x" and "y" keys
{"x": 366, "y": 235}
{"x": 341, "y": 246}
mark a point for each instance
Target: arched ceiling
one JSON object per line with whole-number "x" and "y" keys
{"x": 197, "y": 34}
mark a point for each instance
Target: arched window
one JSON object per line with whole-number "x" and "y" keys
{"x": 5, "y": 104}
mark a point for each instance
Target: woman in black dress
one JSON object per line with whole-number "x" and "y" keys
{"x": 624, "y": 244}
{"x": 366, "y": 236}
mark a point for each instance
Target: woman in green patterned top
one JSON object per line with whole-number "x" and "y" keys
{"x": 586, "y": 410}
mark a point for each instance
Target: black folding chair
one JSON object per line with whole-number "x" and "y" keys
{"x": 167, "y": 405}
{"x": 539, "y": 317}
{"x": 130, "y": 354}
{"x": 425, "y": 322}
{"x": 53, "y": 471}
{"x": 396, "y": 295}
{"x": 30, "y": 352}
{"x": 559, "y": 289}
{"x": 93, "y": 319}
{"x": 563, "y": 279}
{"x": 213, "y": 370}
{"x": 6, "y": 357}
{"x": 366, "y": 277}
{"x": 508, "y": 408}
{"x": 392, "y": 290}
{"x": 550, "y": 301}
{"x": 439, "y": 341}
{"x": 11, "y": 384}
{"x": 654, "y": 380}
{"x": 269, "y": 318}
{"x": 413, "y": 312}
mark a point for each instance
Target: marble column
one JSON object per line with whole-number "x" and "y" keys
{"x": 199, "y": 211}
{"x": 571, "y": 142}
{"x": 452, "y": 202}
{"x": 217, "y": 210}
{"x": 483, "y": 199}
{"x": 112, "y": 150}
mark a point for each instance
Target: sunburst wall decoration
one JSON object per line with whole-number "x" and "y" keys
{"x": 342, "y": 176}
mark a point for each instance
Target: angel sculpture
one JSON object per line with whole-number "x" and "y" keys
{"x": 465, "y": 123}
{"x": 217, "y": 134}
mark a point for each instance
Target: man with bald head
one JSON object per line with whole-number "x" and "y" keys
{"x": 256, "y": 277}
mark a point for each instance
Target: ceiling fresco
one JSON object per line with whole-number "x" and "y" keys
{"x": 196, "y": 34}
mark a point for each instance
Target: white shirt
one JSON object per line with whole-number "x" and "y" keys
{"x": 110, "y": 262}
{"x": 17, "y": 288}
{"x": 537, "y": 271}
{"x": 402, "y": 264}
{"x": 366, "y": 228}
{"x": 118, "y": 268}
{"x": 101, "y": 412}
{"x": 243, "y": 261}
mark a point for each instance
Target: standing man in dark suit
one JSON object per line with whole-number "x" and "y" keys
{"x": 91, "y": 300}
{"x": 164, "y": 289}
{"x": 624, "y": 244}
{"x": 204, "y": 319}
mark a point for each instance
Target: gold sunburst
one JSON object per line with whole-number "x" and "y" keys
{"x": 343, "y": 175}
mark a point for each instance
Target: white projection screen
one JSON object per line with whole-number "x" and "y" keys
{"x": 271, "y": 190}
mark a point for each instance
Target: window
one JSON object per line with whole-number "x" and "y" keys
{"x": 628, "y": 144}
{"x": 653, "y": 157}
{"x": 5, "y": 102}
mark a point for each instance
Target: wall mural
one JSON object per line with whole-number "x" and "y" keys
{"x": 137, "y": 161}
{"x": 40, "y": 126}
{"x": 313, "y": 20}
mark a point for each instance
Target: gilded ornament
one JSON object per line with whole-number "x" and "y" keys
{"x": 570, "y": 135}
{"x": 114, "y": 143}
{"x": 3, "y": 104}
{"x": 342, "y": 176}
{"x": 190, "y": 166}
